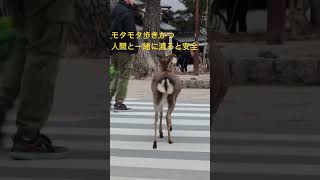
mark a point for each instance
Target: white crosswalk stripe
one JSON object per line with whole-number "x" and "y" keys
{"x": 87, "y": 160}
{"x": 245, "y": 155}
{"x": 132, "y": 156}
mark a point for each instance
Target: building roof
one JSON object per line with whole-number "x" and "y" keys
{"x": 188, "y": 37}
{"x": 167, "y": 27}
{"x": 173, "y": 5}
{"x": 138, "y": 3}
{"x": 163, "y": 27}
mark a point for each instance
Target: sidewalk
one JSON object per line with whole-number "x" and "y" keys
{"x": 77, "y": 121}
{"x": 141, "y": 89}
{"x": 270, "y": 109}
{"x": 295, "y": 63}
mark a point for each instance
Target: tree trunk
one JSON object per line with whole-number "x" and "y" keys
{"x": 151, "y": 21}
{"x": 315, "y": 12}
{"x": 3, "y": 8}
{"x": 276, "y": 21}
{"x": 90, "y": 33}
{"x": 299, "y": 24}
{"x": 145, "y": 62}
{"x": 113, "y": 4}
{"x": 219, "y": 69}
{"x": 221, "y": 78}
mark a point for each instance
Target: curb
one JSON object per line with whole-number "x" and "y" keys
{"x": 295, "y": 71}
{"x": 196, "y": 84}
{"x": 268, "y": 71}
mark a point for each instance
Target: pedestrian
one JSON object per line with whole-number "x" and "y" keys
{"x": 237, "y": 13}
{"x": 183, "y": 61}
{"x": 122, "y": 21}
{"x": 193, "y": 58}
{"x": 30, "y": 71}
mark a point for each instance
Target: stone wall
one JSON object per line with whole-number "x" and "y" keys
{"x": 295, "y": 71}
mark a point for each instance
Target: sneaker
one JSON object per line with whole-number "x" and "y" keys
{"x": 37, "y": 148}
{"x": 120, "y": 107}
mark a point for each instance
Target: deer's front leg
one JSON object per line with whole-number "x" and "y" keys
{"x": 155, "y": 130}
{"x": 160, "y": 127}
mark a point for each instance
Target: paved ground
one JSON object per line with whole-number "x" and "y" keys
{"x": 142, "y": 89}
{"x": 260, "y": 131}
{"x": 267, "y": 133}
{"x": 132, "y": 136}
{"x": 132, "y": 156}
{"x": 78, "y": 122}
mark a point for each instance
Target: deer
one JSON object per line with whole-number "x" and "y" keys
{"x": 166, "y": 87}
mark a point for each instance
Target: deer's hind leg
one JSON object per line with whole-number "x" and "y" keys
{"x": 171, "y": 105}
{"x": 160, "y": 127}
{"x": 155, "y": 127}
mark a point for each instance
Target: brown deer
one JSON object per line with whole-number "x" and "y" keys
{"x": 166, "y": 87}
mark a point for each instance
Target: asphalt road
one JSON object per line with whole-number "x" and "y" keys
{"x": 267, "y": 133}
{"x": 132, "y": 155}
{"x": 78, "y": 121}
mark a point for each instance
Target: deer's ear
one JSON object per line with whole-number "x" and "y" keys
{"x": 172, "y": 58}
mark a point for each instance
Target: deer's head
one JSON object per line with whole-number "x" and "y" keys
{"x": 168, "y": 63}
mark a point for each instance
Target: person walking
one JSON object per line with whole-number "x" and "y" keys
{"x": 30, "y": 71}
{"x": 237, "y": 11}
{"x": 122, "y": 21}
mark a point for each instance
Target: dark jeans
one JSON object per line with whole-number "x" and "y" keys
{"x": 237, "y": 13}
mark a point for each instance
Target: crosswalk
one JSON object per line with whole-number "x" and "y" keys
{"x": 133, "y": 158}
{"x": 251, "y": 156}
{"x": 84, "y": 136}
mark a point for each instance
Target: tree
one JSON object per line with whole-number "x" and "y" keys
{"x": 276, "y": 21}
{"x": 221, "y": 78}
{"x": 145, "y": 62}
{"x": 112, "y": 4}
{"x": 151, "y": 21}
{"x": 297, "y": 17}
{"x": 90, "y": 32}
{"x": 315, "y": 13}
{"x": 3, "y": 8}
{"x": 184, "y": 19}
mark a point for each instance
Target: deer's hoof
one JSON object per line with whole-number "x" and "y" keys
{"x": 170, "y": 128}
{"x": 161, "y": 134}
{"x": 154, "y": 144}
{"x": 170, "y": 141}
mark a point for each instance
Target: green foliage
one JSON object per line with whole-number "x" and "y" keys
{"x": 112, "y": 72}
{"x": 6, "y": 30}
{"x": 185, "y": 19}
{"x": 6, "y": 22}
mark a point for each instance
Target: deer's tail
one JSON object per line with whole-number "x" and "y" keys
{"x": 165, "y": 86}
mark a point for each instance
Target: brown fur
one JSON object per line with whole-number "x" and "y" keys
{"x": 159, "y": 98}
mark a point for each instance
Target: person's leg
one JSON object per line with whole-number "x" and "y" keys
{"x": 125, "y": 66}
{"x": 12, "y": 69}
{"x": 11, "y": 73}
{"x": 231, "y": 16}
{"x": 186, "y": 63}
{"x": 45, "y": 42}
{"x": 114, "y": 81}
{"x": 12, "y": 54}
{"x": 40, "y": 73}
{"x": 242, "y": 15}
